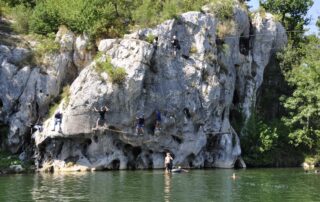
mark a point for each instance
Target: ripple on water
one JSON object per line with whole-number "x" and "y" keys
{"x": 197, "y": 185}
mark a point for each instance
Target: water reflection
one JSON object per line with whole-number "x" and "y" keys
{"x": 167, "y": 187}
{"x": 139, "y": 186}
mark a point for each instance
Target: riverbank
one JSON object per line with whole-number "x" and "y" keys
{"x": 11, "y": 164}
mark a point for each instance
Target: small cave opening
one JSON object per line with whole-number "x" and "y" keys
{"x": 176, "y": 139}
{"x": 85, "y": 144}
{"x": 236, "y": 98}
{"x": 1, "y": 105}
{"x": 95, "y": 138}
{"x": 115, "y": 164}
{"x": 190, "y": 159}
{"x": 254, "y": 69}
{"x": 238, "y": 164}
{"x": 187, "y": 113}
{"x": 70, "y": 160}
{"x": 219, "y": 41}
{"x": 136, "y": 151}
{"x": 244, "y": 45}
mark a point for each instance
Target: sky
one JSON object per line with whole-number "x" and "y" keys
{"x": 314, "y": 12}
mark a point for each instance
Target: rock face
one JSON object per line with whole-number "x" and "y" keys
{"x": 197, "y": 92}
{"x": 27, "y": 90}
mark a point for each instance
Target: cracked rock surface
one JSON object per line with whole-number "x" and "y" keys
{"x": 196, "y": 91}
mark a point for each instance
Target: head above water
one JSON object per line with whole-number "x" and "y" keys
{"x": 168, "y": 154}
{"x": 174, "y": 37}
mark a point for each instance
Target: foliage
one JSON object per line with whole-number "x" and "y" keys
{"x": 293, "y": 15}
{"x": 7, "y": 160}
{"x": 151, "y": 12}
{"x": 304, "y": 104}
{"x": 222, "y": 9}
{"x": 150, "y": 38}
{"x": 116, "y": 74}
{"x": 225, "y": 28}
{"x": 94, "y": 17}
{"x": 266, "y": 144}
{"x": 21, "y": 15}
{"x": 65, "y": 95}
{"x": 46, "y": 45}
{"x": 14, "y": 3}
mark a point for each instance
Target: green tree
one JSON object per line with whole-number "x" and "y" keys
{"x": 304, "y": 104}
{"x": 292, "y": 13}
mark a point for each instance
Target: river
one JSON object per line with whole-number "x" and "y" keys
{"x": 197, "y": 185}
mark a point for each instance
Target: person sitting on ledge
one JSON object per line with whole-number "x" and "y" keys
{"x": 101, "y": 120}
{"x": 57, "y": 121}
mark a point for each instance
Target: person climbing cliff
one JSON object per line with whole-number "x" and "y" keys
{"x": 38, "y": 126}
{"x": 101, "y": 120}
{"x": 57, "y": 121}
{"x": 155, "y": 43}
{"x": 168, "y": 162}
{"x": 158, "y": 121}
{"x": 140, "y": 124}
{"x": 175, "y": 45}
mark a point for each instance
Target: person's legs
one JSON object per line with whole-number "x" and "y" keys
{"x": 54, "y": 125}
{"x": 97, "y": 123}
{"x": 59, "y": 123}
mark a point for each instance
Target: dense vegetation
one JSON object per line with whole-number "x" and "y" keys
{"x": 284, "y": 128}
{"x": 99, "y": 18}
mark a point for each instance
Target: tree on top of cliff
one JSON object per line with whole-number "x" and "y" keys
{"x": 292, "y": 15}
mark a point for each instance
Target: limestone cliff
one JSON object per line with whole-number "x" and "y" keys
{"x": 195, "y": 91}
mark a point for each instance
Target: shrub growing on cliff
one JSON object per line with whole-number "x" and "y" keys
{"x": 223, "y": 9}
{"x": 21, "y": 15}
{"x": 94, "y": 17}
{"x": 46, "y": 45}
{"x": 116, "y": 74}
{"x": 225, "y": 28}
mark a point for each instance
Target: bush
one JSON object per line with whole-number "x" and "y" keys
{"x": 6, "y": 160}
{"x": 65, "y": 95}
{"x": 21, "y": 14}
{"x": 150, "y": 38}
{"x": 225, "y": 28}
{"x": 46, "y": 45}
{"x": 222, "y": 9}
{"x": 95, "y": 17}
{"x": 116, "y": 74}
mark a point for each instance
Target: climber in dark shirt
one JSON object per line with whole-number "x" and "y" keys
{"x": 140, "y": 125}
{"x": 175, "y": 45}
{"x": 57, "y": 121}
{"x": 101, "y": 118}
{"x": 158, "y": 119}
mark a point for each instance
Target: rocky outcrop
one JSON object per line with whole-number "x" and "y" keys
{"x": 27, "y": 90}
{"x": 194, "y": 90}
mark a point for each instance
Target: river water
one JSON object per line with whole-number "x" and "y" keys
{"x": 197, "y": 185}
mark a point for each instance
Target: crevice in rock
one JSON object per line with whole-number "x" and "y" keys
{"x": 187, "y": 113}
{"x": 176, "y": 139}
{"x": 95, "y": 138}
{"x": 115, "y": 164}
{"x": 244, "y": 44}
{"x": 190, "y": 159}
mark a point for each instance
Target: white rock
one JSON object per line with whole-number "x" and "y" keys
{"x": 106, "y": 44}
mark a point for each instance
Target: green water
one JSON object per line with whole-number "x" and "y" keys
{"x": 197, "y": 185}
